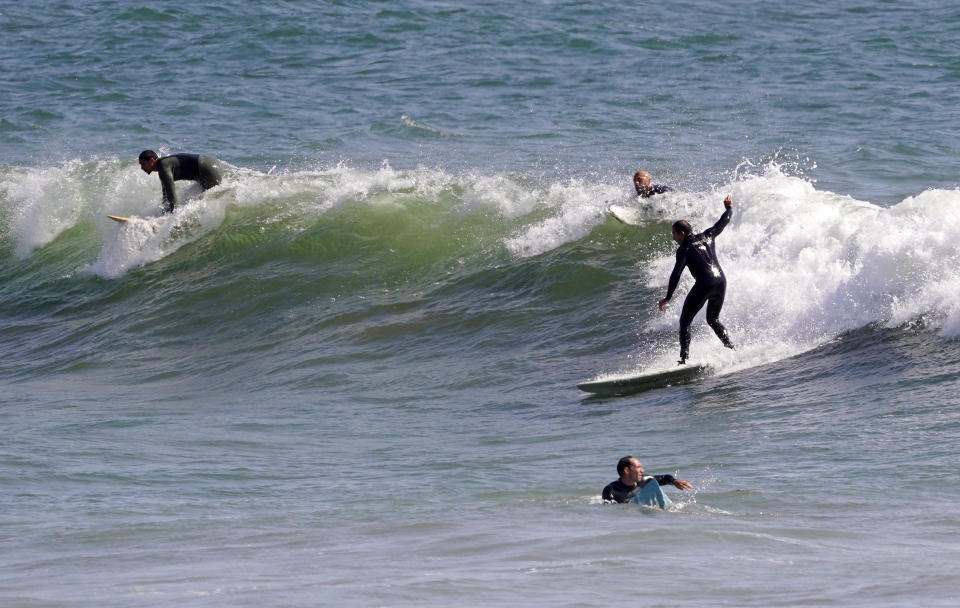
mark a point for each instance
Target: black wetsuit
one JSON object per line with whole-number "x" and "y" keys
{"x": 696, "y": 252}
{"x": 617, "y": 491}
{"x": 201, "y": 169}
{"x": 654, "y": 189}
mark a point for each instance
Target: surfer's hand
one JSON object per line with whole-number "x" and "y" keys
{"x": 683, "y": 485}
{"x": 728, "y": 202}
{"x": 663, "y": 304}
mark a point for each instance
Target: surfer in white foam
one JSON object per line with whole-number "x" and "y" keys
{"x": 696, "y": 252}
{"x": 204, "y": 170}
{"x": 632, "y": 481}
{"x": 645, "y": 186}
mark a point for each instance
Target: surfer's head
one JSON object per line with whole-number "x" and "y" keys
{"x": 681, "y": 230}
{"x": 148, "y": 160}
{"x": 630, "y": 469}
{"x": 627, "y": 462}
{"x": 642, "y": 182}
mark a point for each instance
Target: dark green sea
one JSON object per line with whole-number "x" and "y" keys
{"x": 347, "y": 376}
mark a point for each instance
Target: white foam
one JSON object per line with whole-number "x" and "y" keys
{"x": 805, "y": 266}
{"x": 43, "y": 202}
{"x": 577, "y": 206}
{"x": 42, "y": 205}
{"x": 141, "y": 241}
{"x": 508, "y": 196}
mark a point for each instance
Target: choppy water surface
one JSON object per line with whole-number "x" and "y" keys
{"x": 348, "y": 375}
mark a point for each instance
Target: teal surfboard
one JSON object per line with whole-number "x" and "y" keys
{"x": 611, "y": 386}
{"x": 651, "y": 496}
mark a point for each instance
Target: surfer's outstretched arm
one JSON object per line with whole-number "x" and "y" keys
{"x": 724, "y": 219}
{"x": 675, "y": 276}
{"x": 668, "y": 479}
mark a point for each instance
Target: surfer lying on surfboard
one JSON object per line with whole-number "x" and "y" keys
{"x": 632, "y": 483}
{"x": 645, "y": 186}
{"x": 696, "y": 252}
{"x": 202, "y": 169}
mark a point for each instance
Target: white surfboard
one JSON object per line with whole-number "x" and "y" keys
{"x": 626, "y": 215}
{"x": 119, "y": 218}
{"x": 629, "y": 384}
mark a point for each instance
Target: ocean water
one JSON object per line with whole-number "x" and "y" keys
{"x": 347, "y": 376}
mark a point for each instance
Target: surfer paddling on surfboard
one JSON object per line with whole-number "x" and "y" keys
{"x": 633, "y": 216}
{"x": 202, "y": 169}
{"x": 645, "y": 186}
{"x": 696, "y": 252}
{"x": 633, "y": 486}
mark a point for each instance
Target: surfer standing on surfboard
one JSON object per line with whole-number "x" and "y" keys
{"x": 696, "y": 252}
{"x": 645, "y": 186}
{"x": 202, "y": 169}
